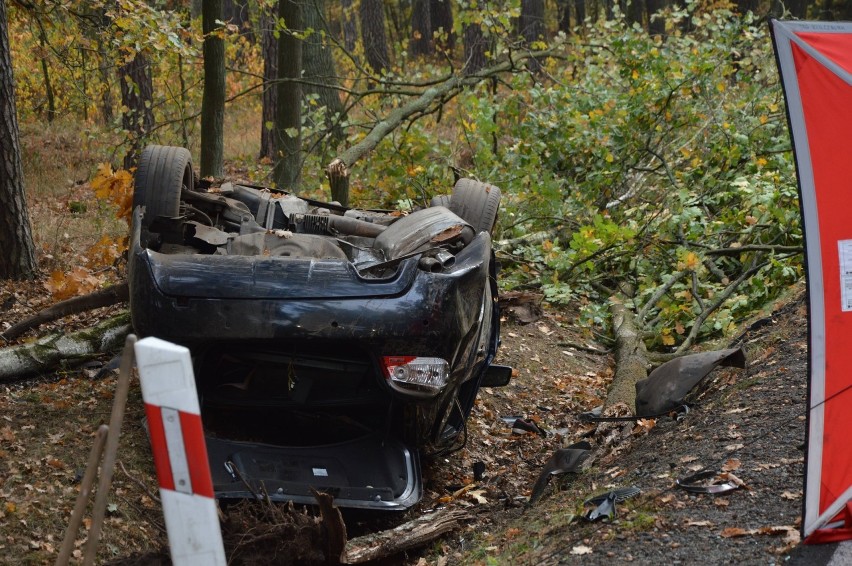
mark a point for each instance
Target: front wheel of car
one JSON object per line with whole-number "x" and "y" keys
{"x": 161, "y": 173}
{"x": 476, "y": 203}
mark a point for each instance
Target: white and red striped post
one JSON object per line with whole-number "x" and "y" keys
{"x": 180, "y": 454}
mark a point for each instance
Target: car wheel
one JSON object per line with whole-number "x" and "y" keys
{"x": 476, "y": 203}
{"x": 161, "y": 173}
{"x": 440, "y": 200}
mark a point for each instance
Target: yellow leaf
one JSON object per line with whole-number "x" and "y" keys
{"x": 668, "y": 339}
{"x": 763, "y": 119}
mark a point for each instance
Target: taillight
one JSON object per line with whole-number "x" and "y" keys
{"x": 427, "y": 374}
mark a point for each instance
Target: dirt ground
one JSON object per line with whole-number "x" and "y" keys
{"x": 749, "y": 423}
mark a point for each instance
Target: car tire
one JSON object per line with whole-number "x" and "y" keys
{"x": 440, "y": 200}
{"x": 161, "y": 173}
{"x": 476, "y": 203}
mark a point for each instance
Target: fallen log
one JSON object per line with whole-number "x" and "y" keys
{"x": 408, "y": 535}
{"x": 631, "y": 356}
{"x": 118, "y": 293}
{"x": 46, "y": 353}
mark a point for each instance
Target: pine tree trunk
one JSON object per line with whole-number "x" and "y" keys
{"x": 269, "y": 46}
{"x": 288, "y": 120}
{"x": 137, "y": 95}
{"x": 421, "y": 29}
{"x": 373, "y": 34}
{"x": 531, "y": 26}
{"x": 442, "y": 18}
{"x": 580, "y": 8}
{"x": 475, "y": 46}
{"x": 350, "y": 28}
{"x": 17, "y": 259}
{"x": 656, "y": 26}
{"x": 213, "y": 99}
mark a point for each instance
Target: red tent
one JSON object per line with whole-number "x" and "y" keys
{"x": 815, "y": 60}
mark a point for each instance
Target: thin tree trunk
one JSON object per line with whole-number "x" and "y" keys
{"x": 373, "y": 35}
{"x": 107, "y": 113}
{"x": 288, "y": 120}
{"x": 318, "y": 66}
{"x": 475, "y": 46}
{"x": 213, "y": 99}
{"x": 137, "y": 95}
{"x": 269, "y": 46}
{"x": 564, "y": 13}
{"x": 17, "y": 259}
{"x": 350, "y": 28}
{"x": 580, "y": 8}
{"x": 45, "y": 72}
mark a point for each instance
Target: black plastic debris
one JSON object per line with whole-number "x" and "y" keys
{"x": 478, "y": 471}
{"x": 604, "y": 504}
{"x": 564, "y": 460}
{"x": 668, "y": 385}
{"x": 523, "y": 426}
{"x": 696, "y": 483}
{"x": 605, "y": 510}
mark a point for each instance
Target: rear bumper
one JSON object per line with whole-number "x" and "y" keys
{"x": 368, "y": 473}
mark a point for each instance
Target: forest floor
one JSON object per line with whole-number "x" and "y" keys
{"x": 746, "y": 422}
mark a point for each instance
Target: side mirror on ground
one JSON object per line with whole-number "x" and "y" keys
{"x": 497, "y": 376}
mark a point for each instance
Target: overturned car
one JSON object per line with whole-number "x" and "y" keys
{"x": 333, "y": 347}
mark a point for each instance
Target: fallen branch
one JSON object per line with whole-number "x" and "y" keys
{"x": 45, "y": 353}
{"x": 409, "y": 535}
{"x": 338, "y": 170}
{"x": 103, "y": 298}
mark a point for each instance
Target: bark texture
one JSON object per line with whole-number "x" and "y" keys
{"x": 46, "y": 353}
{"x": 442, "y": 19}
{"x": 137, "y": 96}
{"x": 213, "y": 98}
{"x": 373, "y": 34}
{"x": 475, "y": 46}
{"x": 318, "y": 65}
{"x": 631, "y": 357}
{"x": 269, "y": 46}
{"x": 421, "y": 29}
{"x": 17, "y": 256}
{"x": 288, "y": 120}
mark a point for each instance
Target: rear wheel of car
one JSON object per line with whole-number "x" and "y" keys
{"x": 476, "y": 203}
{"x": 161, "y": 173}
{"x": 440, "y": 200}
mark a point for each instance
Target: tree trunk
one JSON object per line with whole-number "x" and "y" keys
{"x": 564, "y": 15}
{"x": 213, "y": 99}
{"x": 441, "y": 17}
{"x": 350, "y": 28}
{"x": 269, "y": 46}
{"x": 631, "y": 357}
{"x": 288, "y": 119}
{"x": 373, "y": 35}
{"x": 236, "y": 12}
{"x": 475, "y": 45}
{"x": 531, "y": 27}
{"x": 421, "y": 29}
{"x": 635, "y": 12}
{"x": 17, "y": 259}
{"x": 45, "y": 72}
{"x": 656, "y": 26}
{"x": 46, "y": 353}
{"x": 318, "y": 64}
{"x": 580, "y": 8}
{"x": 137, "y": 96}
